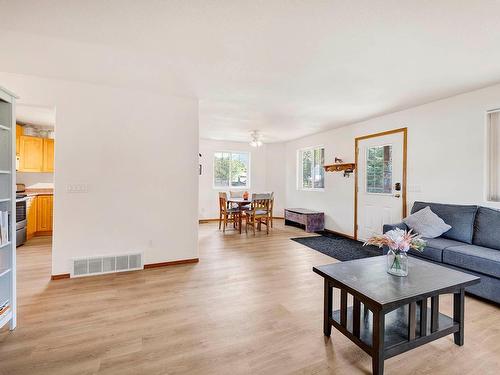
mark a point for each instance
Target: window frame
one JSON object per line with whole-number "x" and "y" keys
{"x": 366, "y": 171}
{"x": 300, "y": 181}
{"x": 488, "y": 156}
{"x": 229, "y": 186}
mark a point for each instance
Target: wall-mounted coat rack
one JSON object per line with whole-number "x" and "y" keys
{"x": 340, "y": 166}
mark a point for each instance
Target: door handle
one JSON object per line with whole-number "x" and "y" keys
{"x": 397, "y": 195}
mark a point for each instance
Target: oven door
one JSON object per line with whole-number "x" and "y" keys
{"x": 21, "y": 224}
{"x": 21, "y": 210}
{"x": 20, "y": 236}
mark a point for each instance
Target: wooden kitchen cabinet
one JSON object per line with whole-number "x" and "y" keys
{"x": 44, "y": 209}
{"x": 39, "y": 215}
{"x": 35, "y": 154}
{"x": 19, "y": 133}
{"x": 30, "y": 154}
{"x": 31, "y": 217}
{"x": 48, "y": 155}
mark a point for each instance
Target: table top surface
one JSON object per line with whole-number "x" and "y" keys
{"x": 369, "y": 278}
{"x": 303, "y": 211}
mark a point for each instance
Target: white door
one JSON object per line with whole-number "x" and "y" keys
{"x": 380, "y": 183}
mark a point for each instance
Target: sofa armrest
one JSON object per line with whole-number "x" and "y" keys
{"x": 388, "y": 227}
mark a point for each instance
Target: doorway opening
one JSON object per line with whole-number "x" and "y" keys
{"x": 380, "y": 181}
{"x": 35, "y": 145}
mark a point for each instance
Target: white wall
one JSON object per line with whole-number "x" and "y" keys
{"x": 267, "y": 174}
{"x": 138, "y": 154}
{"x": 446, "y": 156}
{"x": 276, "y": 175}
{"x": 29, "y": 178}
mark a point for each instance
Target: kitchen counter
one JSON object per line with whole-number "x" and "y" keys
{"x": 35, "y": 192}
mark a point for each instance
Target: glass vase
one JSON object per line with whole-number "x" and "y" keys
{"x": 397, "y": 263}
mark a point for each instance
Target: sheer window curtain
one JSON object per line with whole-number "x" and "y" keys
{"x": 494, "y": 156}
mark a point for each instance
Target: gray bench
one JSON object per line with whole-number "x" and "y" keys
{"x": 312, "y": 221}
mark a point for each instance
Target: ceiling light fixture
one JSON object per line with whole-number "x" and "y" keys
{"x": 256, "y": 141}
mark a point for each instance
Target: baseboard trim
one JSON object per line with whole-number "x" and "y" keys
{"x": 60, "y": 276}
{"x": 171, "y": 263}
{"x": 339, "y": 233}
{"x": 146, "y": 266}
{"x": 206, "y": 221}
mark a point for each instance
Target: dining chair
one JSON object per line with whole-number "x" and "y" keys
{"x": 271, "y": 207}
{"x": 258, "y": 213}
{"x": 226, "y": 214}
{"x": 238, "y": 194}
{"x": 235, "y": 194}
{"x": 269, "y": 220}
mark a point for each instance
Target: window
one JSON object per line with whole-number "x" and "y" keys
{"x": 379, "y": 170}
{"x": 231, "y": 169}
{"x": 494, "y": 156}
{"x": 311, "y": 172}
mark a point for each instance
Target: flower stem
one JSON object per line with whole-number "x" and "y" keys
{"x": 396, "y": 264}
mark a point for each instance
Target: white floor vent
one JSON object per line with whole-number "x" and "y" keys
{"x": 106, "y": 264}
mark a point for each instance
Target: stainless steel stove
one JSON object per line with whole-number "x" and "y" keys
{"x": 21, "y": 198}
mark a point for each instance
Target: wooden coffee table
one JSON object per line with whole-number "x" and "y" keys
{"x": 390, "y": 314}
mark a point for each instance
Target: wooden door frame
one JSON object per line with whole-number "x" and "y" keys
{"x": 356, "y": 157}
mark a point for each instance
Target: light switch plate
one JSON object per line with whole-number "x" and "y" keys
{"x": 77, "y": 188}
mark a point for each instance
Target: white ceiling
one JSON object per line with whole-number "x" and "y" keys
{"x": 288, "y": 68}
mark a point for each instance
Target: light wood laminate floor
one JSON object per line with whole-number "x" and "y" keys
{"x": 251, "y": 306}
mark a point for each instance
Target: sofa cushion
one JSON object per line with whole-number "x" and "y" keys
{"x": 434, "y": 248}
{"x": 441, "y": 243}
{"x": 487, "y": 228}
{"x": 461, "y": 218}
{"x": 426, "y": 223}
{"x": 387, "y": 227}
{"x": 474, "y": 258}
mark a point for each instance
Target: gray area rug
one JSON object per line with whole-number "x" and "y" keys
{"x": 339, "y": 247}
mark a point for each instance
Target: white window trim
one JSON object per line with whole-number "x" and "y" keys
{"x": 487, "y": 156}
{"x": 366, "y": 179}
{"x": 299, "y": 169}
{"x": 249, "y": 173}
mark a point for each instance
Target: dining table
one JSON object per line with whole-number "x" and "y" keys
{"x": 241, "y": 203}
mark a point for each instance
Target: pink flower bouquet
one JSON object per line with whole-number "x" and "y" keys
{"x": 398, "y": 240}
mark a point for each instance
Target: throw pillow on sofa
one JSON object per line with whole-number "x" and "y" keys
{"x": 426, "y": 223}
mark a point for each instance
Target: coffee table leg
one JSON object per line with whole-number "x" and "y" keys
{"x": 327, "y": 309}
{"x": 356, "y": 317}
{"x": 458, "y": 315}
{"x": 434, "y": 313}
{"x": 378, "y": 342}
